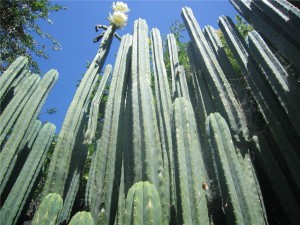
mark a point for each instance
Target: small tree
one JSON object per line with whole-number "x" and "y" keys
{"x": 18, "y": 20}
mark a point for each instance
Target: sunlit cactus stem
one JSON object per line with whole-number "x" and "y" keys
{"x": 82, "y": 218}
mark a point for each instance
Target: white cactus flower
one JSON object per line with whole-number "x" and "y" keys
{"x": 120, "y": 6}
{"x": 118, "y": 19}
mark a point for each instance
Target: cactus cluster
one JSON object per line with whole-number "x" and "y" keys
{"x": 165, "y": 154}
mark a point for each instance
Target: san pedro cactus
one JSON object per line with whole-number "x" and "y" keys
{"x": 82, "y": 218}
{"x": 283, "y": 85}
{"x": 11, "y": 112}
{"x": 12, "y": 72}
{"x": 18, "y": 195}
{"x": 102, "y": 186}
{"x": 240, "y": 201}
{"x": 163, "y": 108}
{"x": 143, "y": 205}
{"x": 190, "y": 169}
{"x": 146, "y": 146}
{"x": 28, "y": 116}
{"x": 220, "y": 90}
{"x": 179, "y": 83}
{"x": 48, "y": 210}
{"x": 269, "y": 107}
{"x": 89, "y": 135}
{"x": 61, "y": 159}
{"x": 286, "y": 198}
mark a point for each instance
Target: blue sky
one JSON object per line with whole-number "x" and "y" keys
{"x": 74, "y": 29}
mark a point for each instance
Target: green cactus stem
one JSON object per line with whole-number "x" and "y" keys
{"x": 89, "y": 135}
{"x": 82, "y": 218}
{"x": 190, "y": 168}
{"x": 61, "y": 159}
{"x": 240, "y": 201}
{"x": 29, "y": 114}
{"x": 12, "y": 72}
{"x": 143, "y": 205}
{"x": 48, "y": 210}
{"x": 18, "y": 195}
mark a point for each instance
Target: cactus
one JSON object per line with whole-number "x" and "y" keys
{"x": 48, "y": 210}
{"x": 163, "y": 108}
{"x": 61, "y": 159}
{"x": 103, "y": 187}
{"x": 179, "y": 84}
{"x": 143, "y": 205}
{"x": 190, "y": 170}
{"x": 18, "y": 195}
{"x": 220, "y": 90}
{"x": 279, "y": 184}
{"x": 283, "y": 85}
{"x": 241, "y": 204}
{"x": 264, "y": 24}
{"x": 146, "y": 146}
{"x": 29, "y": 113}
{"x": 12, "y": 72}
{"x": 82, "y": 218}
{"x": 279, "y": 125}
{"x": 11, "y": 112}
{"x": 94, "y": 110}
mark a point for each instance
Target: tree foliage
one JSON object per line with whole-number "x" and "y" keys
{"x": 19, "y": 29}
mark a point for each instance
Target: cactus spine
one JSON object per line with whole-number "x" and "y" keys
{"x": 190, "y": 169}
{"x": 238, "y": 189}
{"x": 48, "y": 210}
{"x": 82, "y": 218}
{"x": 143, "y": 205}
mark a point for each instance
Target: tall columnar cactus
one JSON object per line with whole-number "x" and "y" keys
{"x": 220, "y": 90}
{"x": 12, "y": 72}
{"x": 179, "y": 84}
{"x": 94, "y": 109}
{"x": 28, "y": 116}
{"x": 143, "y": 205}
{"x": 276, "y": 120}
{"x": 18, "y": 195}
{"x": 61, "y": 159}
{"x": 163, "y": 108}
{"x": 286, "y": 198}
{"x": 11, "y": 112}
{"x": 283, "y": 85}
{"x": 103, "y": 185}
{"x": 241, "y": 203}
{"x": 82, "y": 218}
{"x": 218, "y": 48}
{"x": 48, "y": 210}
{"x": 273, "y": 27}
{"x": 189, "y": 166}
{"x": 146, "y": 146}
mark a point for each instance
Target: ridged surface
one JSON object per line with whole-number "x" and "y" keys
{"x": 18, "y": 195}
{"x": 241, "y": 204}
{"x": 143, "y": 205}
{"x": 82, "y": 218}
{"x": 48, "y": 210}
{"x": 190, "y": 169}
{"x": 29, "y": 114}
